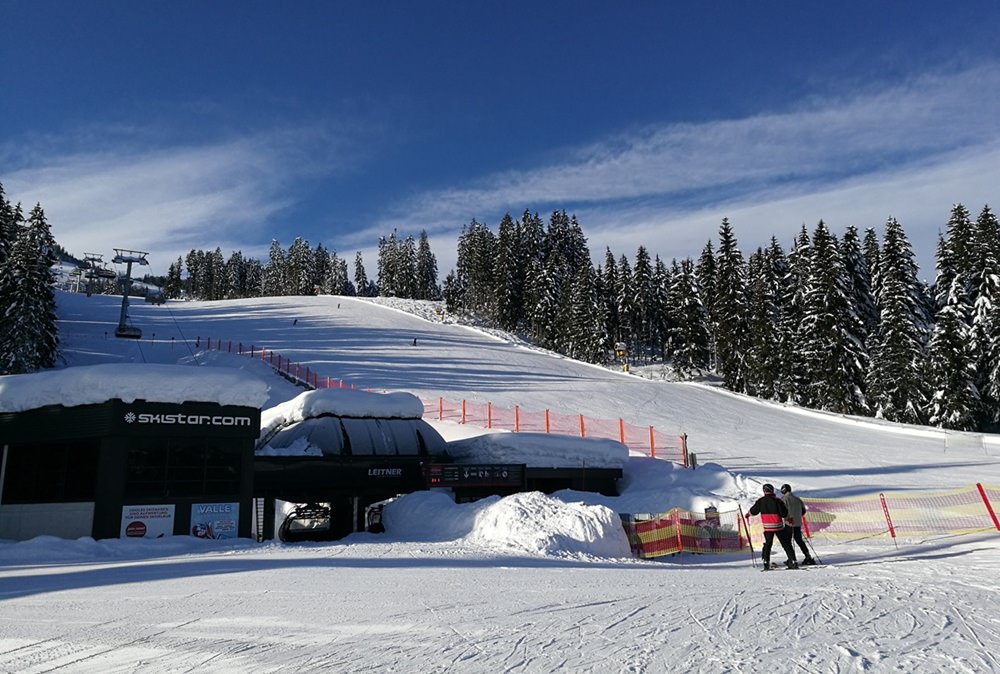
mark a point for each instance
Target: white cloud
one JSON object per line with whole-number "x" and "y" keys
{"x": 910, "y": 150}
{"x": 167, "y": 201}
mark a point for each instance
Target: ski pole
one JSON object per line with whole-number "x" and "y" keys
{"x": 815, "y": 556}
{"x": 808, "y": 539}
{"x": 753, "y": 556}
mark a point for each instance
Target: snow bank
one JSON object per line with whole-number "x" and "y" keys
{"x": 529, "y": 522}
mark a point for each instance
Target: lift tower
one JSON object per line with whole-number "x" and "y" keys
{"x": 128, "y": 257}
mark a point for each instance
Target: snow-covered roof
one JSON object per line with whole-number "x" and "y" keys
{"x": 349, "y": 403}
{"x": 540, "y": 450}
{"x": 94, "y": 384}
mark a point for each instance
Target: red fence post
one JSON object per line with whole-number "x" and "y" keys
{"x": 583, "y": 432}
{"x": 652, "y": 444}
{"x": 888, "y": 520}
{"x": 463, "y": 411}
{"x": 621, "y": 430}
{"x": 677, "y": 526}
{"x": 517, "y": 419}
{"x": 989, "y": 508}
{"x": 489, "y": 414}
{"x": 546, "y": 421}
{"x": 440, "y": 409}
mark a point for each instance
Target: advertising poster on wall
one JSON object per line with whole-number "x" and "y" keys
{"x": 147, "y": 521}
{"x": 215, "y": 520}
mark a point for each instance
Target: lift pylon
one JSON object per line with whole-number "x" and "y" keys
{"x": 128, "y": 257}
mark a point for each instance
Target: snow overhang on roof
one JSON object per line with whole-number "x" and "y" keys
{"x": 128, "y": 382}
{"x": 347, "y": 403}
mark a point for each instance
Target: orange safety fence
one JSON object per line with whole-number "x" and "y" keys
{"x": 644, "y": 440}
{"x": 966, "y": 510}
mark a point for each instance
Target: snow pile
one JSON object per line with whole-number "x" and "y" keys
{"x": 540, "y": 450}
{"x": 340, "y": 403}
{"x": 528, "y": 522}
{"x": 542, "y": 525}
{"x": 128, "y": 382}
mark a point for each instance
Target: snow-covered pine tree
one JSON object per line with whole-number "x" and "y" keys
{"x": 427, "y": 270}
{"x": 235, "y": 274}
{"x": 795, "y": 376}
{"x": 609, "y": 296}
{"x": 299, "y": 279}
{"x": 872, "y": 252}
{"x": 690, "y": 350}
{"x": 642, "y": 301}
{"x": 30, "y": 339}
{"x": 730, "y": 310}
{"x": 509, "y": 276}
{"x": 387, "y": 265}
{"x": 705, "y": 270}
{"x": 275, "y": 271}
{"x": 546, "y": 329}
{"x": 254, "y": 276}
{"x": 217, "y": 265}
{"x": 320, "y": 268}
{"x": 625, "y": 309}
{"x": 361, "y": 283}
{"x": 951, "y": 370}
{"x": 662, "y": 319}
{"x": 174, "y": 282}
{"x": 986, "y": 315}
{"x": 829, "y": 344}
{"x": 585, "y": 336}
{"x": 860, "y": 283}
{"x": 766, "y": 348}
{"x": 477, "y": 253}
{"x": 895, "y": 386}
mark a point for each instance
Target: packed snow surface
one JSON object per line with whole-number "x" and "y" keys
{"x": 527, "y": 583}
{"x": 541, "y": 450}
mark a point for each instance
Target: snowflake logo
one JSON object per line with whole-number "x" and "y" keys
{"x": 130, "y": 418}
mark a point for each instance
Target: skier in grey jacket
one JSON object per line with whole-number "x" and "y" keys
{"x": 796, "y": 509}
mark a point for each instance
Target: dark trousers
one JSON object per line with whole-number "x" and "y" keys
{"x": 784, "y": 537}
{"x": 797, "y": 536}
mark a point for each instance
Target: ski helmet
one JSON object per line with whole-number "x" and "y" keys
{"x": 768, "y": 488}
{"x": 785, "y": 488}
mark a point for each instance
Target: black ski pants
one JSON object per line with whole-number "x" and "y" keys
{"x": 797, "y": 537}
{"x": 784, "y": 537}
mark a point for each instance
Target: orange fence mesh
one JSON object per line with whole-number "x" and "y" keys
{"x": 910, "y": 515}
{"x": 639, "y": 439}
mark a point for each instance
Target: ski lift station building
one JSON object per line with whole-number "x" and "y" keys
{"x": 135, "y": 450}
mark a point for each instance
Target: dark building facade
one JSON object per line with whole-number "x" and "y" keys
{"x": 127, "y": 469}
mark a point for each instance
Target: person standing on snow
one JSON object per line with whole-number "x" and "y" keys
{"x": 796, "y": 509}
{"x": 772, "y": 513}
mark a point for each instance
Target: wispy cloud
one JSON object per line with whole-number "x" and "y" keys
{"x": 850, "y": 159}
{"x": 168, "y": 200}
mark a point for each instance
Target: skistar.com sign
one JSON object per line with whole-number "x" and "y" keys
{"x": 187, "y": 419}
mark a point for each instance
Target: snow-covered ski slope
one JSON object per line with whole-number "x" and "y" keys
{"x": 372, "y": 346}
{"x": 508, "y": 585}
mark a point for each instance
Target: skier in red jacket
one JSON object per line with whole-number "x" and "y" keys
{"x": 772, "y": 513}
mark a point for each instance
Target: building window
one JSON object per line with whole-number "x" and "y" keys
{"x": 178, "y": 468}
{"x": 51, "y": 472}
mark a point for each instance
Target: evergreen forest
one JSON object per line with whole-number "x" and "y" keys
{"x": 835, "y": 323}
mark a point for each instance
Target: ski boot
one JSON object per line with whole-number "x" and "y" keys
{"x": 791, "y": 564}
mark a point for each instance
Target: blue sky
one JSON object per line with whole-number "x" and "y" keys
{"x": 167, "y": 126}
